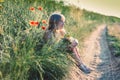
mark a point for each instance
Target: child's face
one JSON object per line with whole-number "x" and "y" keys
{"x": 61, "y": 24}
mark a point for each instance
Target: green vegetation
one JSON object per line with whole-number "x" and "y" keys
{"x": 22, "y": 54}
{"x": 114, "y": 39}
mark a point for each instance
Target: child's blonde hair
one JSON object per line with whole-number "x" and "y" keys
{"x": 54, "y": 19}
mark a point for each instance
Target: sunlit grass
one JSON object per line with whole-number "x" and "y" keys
{"x": 114, "y": 30}
{"x": 22, "y": 53}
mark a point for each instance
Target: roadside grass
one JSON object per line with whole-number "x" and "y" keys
{"x": 114, "y": 39}
{"x": 22, "y": 53}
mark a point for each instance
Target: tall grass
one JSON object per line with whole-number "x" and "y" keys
{"x": 23, "y": 54}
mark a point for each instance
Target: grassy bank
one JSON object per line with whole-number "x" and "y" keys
{"x": 114, "y": 39}
{"x": 21, "y": 55}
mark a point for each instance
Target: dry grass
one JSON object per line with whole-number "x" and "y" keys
{"x": 1, "y": 30}
{"x": 114, "y": 30}
{"x": 76, "y": 13}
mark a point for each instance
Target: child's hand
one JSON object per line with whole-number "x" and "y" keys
{"x": 74, "y": 43}
{"x": 63, "y": 32}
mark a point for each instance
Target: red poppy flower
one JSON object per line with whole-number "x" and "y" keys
{"x": 43, "y": 27}
{"x": 40, "y": 8}
{"x": 44, "y": 21}
{"x": 34, "y": 23}
{"x": 32, "y": 8}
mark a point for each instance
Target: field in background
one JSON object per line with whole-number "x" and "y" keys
{"x": 21, "y": 55}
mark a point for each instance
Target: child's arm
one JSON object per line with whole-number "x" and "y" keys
{"x": 73, "y": 41}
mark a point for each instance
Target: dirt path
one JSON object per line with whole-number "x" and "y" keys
{"x": 97, "y": 56}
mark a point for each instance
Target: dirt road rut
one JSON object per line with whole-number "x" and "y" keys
{"x": 97, "y": 56}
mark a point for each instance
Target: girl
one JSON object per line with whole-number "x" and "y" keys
{"x": 56, "y": 32}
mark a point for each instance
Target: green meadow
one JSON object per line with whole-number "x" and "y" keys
{"x": 22, "y": 53}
